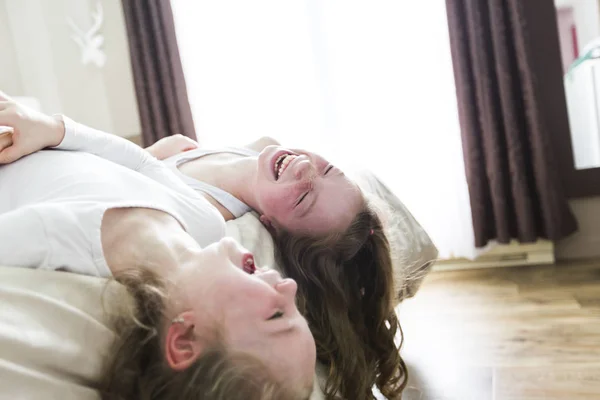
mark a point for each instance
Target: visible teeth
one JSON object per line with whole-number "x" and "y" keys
{"x": 281, "y": 157}
{"x": 283, "y": 160}
{"x": 249, "y": 266}
{"x": 286, "y": 160}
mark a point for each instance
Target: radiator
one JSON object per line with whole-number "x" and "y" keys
{"x": 511, "y": 255}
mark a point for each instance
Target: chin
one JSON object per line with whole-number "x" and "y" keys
{"x": 264, "y": 165}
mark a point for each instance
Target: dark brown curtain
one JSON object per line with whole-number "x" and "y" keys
{"x": 157, "y": 71}
{"x": 514, "y": 183}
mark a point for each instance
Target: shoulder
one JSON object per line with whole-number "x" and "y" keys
{"x": 260, "y": 144}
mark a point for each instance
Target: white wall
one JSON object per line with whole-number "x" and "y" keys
{"x": 586, "y": 242}
{"x": 10, "y": 77}
{"x": 44, "y": 62}
{"x": 587, "y": 19}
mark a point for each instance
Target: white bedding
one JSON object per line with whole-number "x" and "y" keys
{"x": 53, "y": 328}
{"x": 53, "y": 334}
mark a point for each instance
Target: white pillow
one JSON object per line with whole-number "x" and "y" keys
{"x": 413, "y": 252}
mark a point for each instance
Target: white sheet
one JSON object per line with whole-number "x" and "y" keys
{"x": 53, "y": 334}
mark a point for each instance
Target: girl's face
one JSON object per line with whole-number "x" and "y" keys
{"x": 255, "y": 310}
{"x": 302, "y": 192}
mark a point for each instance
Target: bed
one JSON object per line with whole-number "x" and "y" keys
{"x": 54, "y": 330}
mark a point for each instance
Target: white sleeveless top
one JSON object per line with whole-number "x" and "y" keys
{"x": 52, "y": 202}
{"x": 234, "y": 205}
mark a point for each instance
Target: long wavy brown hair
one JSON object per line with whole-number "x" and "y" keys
{"x": 136, "y": 368}
{"x": 346, "y": 292}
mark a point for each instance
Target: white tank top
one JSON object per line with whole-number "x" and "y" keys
{"x": 234, "y": 205}
{"x": 52, "y": 202}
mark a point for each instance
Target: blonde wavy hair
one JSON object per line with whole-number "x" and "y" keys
{"x": 137, "y": 369}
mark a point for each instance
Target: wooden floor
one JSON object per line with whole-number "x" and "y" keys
{"x": 521, "y": 333}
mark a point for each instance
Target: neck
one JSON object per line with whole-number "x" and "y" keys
{"x": 173, "y": 266}
{"x": 238, "y": 177}
{"x": 165, "y": 254}
{"x": 149, "y": 240}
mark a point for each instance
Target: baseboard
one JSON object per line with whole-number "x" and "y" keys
{"x": 511, "y": 255}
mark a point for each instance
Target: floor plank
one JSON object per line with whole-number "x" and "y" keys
{"x": 527, "y": 333}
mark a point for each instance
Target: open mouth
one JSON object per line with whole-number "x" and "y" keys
{"x": 249, "y": 266}
{"x": 281, "y": 163}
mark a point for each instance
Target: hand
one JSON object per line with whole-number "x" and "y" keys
{"x": 29, "y": 131}
{"x": 171, "y": 145}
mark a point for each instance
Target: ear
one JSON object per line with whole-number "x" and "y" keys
{"x": 267, "y": 223}
{"x": 182, "y": 345}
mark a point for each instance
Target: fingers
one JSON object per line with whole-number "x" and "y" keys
{"x": 188, "y": 144}
{"x": 4, "y": 96}
{"x": 191, "y": 142}
{"x": 8, "y": 153}
{"x": 6, "y": 101}
{"x": 4, "y": 105}
{"x": 5, "y": 139}
{"x": 6, "y": 114}
{"x": 5, "y": 129}
{"x": 183, "y": 143}
{"x": 9, "y": 115}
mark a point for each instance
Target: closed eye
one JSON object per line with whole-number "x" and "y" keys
{"x": 277, "y": 315}
{"x": 302, "y": 198}
{"x": 329, "y": 167}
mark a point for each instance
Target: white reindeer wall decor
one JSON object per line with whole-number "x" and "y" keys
{"x": 90, "y": 41}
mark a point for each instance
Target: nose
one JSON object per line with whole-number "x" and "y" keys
{"x": 305, "y": 169}
{"x": 288, "y": 287}
{"x": 270, "y": 276}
